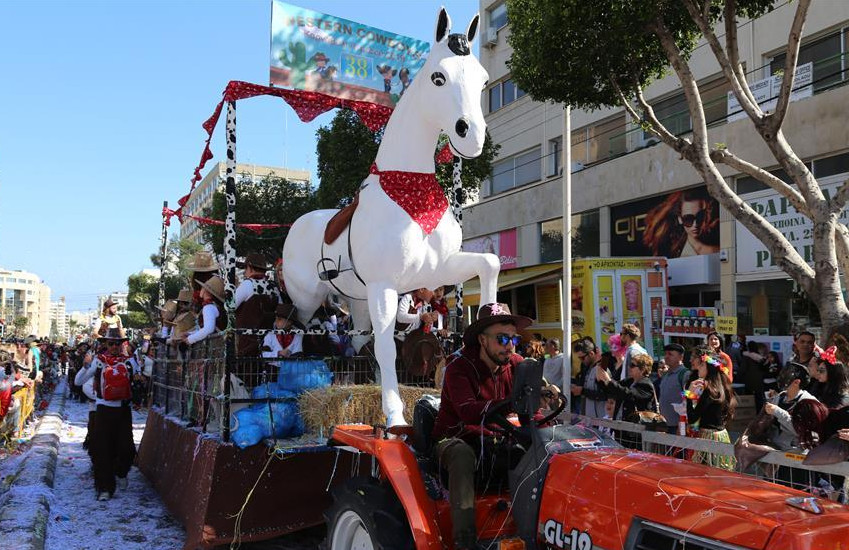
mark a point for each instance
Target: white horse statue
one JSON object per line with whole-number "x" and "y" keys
{"x": 402, "y": 236}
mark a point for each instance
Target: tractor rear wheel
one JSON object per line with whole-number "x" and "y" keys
{"x": 366, "y": 515}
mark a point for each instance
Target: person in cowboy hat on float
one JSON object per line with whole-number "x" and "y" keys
{"x": 256, "y": 299}
{"x": 212, "y": 315}
{"x": 203, "y": 268}
{"x": 276, "y": 346}
{"x": 111, "y": 443}
{"x": 167, "y": 314}
{"x": 475, "y": 379}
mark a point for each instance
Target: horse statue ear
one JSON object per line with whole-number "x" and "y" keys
{"x": 472, "y": 31}
{"x": 443, "y": 25}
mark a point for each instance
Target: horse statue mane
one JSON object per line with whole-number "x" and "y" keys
{"x": 402, "y": 236}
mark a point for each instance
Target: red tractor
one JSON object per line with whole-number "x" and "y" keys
{"x": 574, "y": 488}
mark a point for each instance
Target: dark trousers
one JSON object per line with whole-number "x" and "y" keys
{"x": 458, "y": 458}
{"x": 111, "y": 446}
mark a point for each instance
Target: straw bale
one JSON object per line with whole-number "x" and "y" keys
{"x": 324, "y": 408}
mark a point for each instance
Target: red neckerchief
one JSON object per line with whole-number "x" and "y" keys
{"x": 440, "y": 307}
{"x": 285, "y": 340}
{"x": 417, "y": 193}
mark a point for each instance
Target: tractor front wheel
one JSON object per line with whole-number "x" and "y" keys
{"x": 366, "y": 515}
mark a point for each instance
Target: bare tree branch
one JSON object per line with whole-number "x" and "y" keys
{"x": 650, "y": 121}
{"x": 838, "y": 201}
{"x": 793, "y": 41}
{"x": 732, "y": 47}
{"x": 841, "y": 240}
{"x": 743, "y": 97}
{"x": 723, "y": 156}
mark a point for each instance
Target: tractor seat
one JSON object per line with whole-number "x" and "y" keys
{"x": 424, "y": 417}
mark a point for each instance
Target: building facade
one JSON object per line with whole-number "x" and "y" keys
{"x": 25, "y": 295}
{"x": 201, "y": 197}
{"x": 623, "y": 181}
{"x": 59, "y": 319}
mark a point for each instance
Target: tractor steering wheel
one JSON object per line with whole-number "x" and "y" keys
{"x": 495, "y": 415}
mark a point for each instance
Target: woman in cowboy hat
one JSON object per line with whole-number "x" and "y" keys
{"x": 256, "y": 298}
{"x": 167, "y": 314}
{"x": 109, "y": 318}
{"x": 276, "y": 346}
{"x": 212, "y": 314}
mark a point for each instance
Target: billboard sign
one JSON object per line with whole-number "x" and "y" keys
{"x": 318, "y": 52}
{"x": 501, "y": 244}
{"x": 684, "y": 223}
{"x": 752, "y": 255}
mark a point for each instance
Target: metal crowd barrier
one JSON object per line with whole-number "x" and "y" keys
{"x": 782, "y": 467}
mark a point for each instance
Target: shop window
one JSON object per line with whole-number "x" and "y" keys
{"x": 585, "y": 237}
{"x": 526, "y": 301}
{"x": 825, "y": 54}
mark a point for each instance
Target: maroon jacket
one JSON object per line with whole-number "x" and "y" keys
{"x": 469, "y": 389}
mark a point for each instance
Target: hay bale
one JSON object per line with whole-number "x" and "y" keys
{"x": 324, "y": 408}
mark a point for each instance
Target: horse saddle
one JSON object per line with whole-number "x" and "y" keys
{"x": 340, "y": 221}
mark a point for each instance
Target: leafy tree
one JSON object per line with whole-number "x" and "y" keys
{"x": 347, "y": 148}
{"x": 21, "y": 324}
{"x": 142, "y": 300}
{"x": 605, "y": 52}
{"x": 345, "y": 152}
{"x": 273, "y": 200}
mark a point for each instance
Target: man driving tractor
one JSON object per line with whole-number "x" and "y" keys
{"x": 480, "y": 376}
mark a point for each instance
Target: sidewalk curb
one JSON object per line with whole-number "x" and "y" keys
{"x": 25, "y": 508}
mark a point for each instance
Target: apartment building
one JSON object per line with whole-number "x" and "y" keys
{"x": 59, "y": 318}
{"x": 621, "y": 177}
{"x": 24, "y": 294}
{"x": 201, "y": 197}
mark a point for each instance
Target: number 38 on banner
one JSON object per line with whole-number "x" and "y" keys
{"x": 356, "y": 67}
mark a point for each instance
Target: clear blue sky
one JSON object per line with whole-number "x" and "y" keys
{"x": 101, "y": 106}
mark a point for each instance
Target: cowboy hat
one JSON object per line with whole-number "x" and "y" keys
{"x": 256, "y": 261}
{"x": 109, "y": 303}
{"x": 215, "y": 286}
{"x": 491, "y": 314}
{"x": 384, "y": 69}
{"x": 290, "y": 313}
{"x": 320, "y": 57}
{"x": 202, "y": 262}
{"x": 113, "y": 333}
{"x": 182, "y": 324}
{"x": 169, "y": 311}
{"x": 185, "y": 295}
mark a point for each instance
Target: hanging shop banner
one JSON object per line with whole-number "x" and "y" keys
{"x": 752, "y": 255}
{"x": 684, "y": 223}
{"x": 318, "y": 52}
{"x": 501, "y": 244}
{"x": 766, "y": 91}
{"x": 689, "y": 321}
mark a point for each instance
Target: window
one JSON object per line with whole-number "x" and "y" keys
{"x": 516, "y": 171}
{"x": 607, "y": 139}
{"x": 503, "y": 93}
{"x": 498, "y": 17}
{"x": 672, "y": 113}
{"x": 495, "y": 98}
{"x": 825, "y": 55}
{"x": 554, "y": 155}
{"x": 585, "y": 237}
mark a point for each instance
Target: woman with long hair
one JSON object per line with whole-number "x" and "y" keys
{"x": 711, "y": 403}
{"x": 685, "y": 224}
{"x": 833, "y": 377}
{"x": 714, "y": 344}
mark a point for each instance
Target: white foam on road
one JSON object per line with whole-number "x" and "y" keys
{"x": 134, "y": 519}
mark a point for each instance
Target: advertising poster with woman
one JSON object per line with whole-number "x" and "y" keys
{"x": 684, "y": 223}
{"x": 317, "y": 52}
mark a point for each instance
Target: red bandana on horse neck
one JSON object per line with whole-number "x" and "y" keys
{"x": 417, "y": 193}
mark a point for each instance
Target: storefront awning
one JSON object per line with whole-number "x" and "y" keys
{"x": 511, "y": 278}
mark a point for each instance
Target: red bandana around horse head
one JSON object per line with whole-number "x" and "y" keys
{"x": 417, "y": 193}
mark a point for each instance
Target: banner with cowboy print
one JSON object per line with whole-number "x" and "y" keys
{"x": 318, "y": 52}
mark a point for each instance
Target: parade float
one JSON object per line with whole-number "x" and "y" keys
{"x": 305, "y": 446}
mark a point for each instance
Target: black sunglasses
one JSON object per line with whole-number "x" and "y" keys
{"x": 689, "y": 219}
{"x": 504, "y": 339}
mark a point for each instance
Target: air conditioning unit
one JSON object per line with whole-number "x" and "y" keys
{"x": 491, "y": 37}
